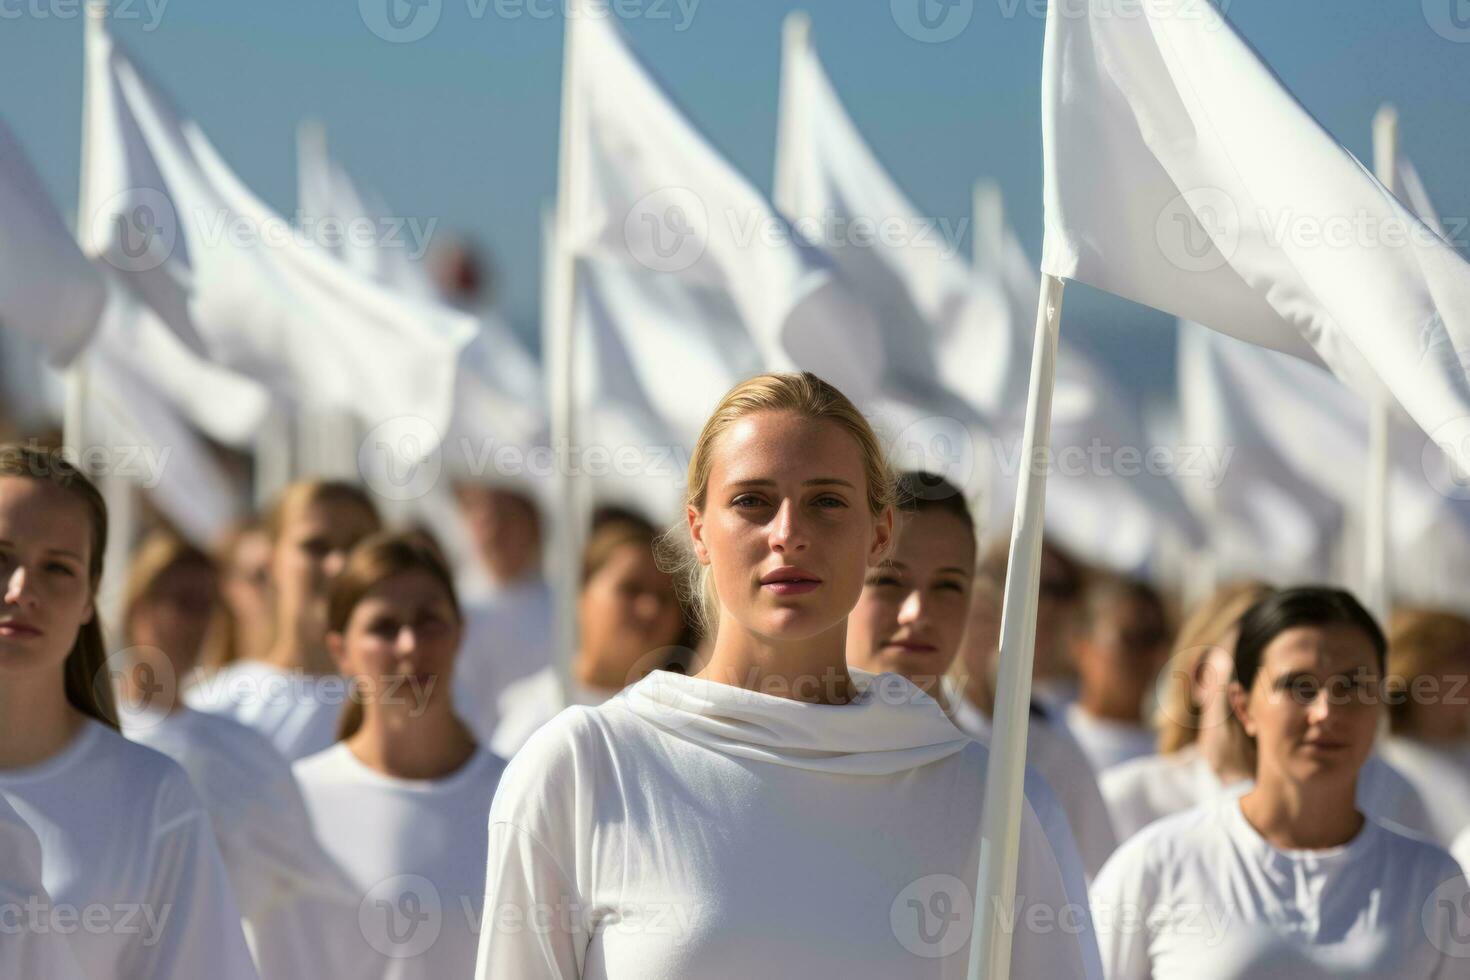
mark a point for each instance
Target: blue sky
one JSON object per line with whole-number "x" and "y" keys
{"x": 460, "y": 126}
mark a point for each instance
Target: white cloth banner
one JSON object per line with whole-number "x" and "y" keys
{"x": 48, "y": 290}
{"x": 1182, "y": 175}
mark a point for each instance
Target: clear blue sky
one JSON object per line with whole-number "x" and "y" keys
{"x": 462, "y": 125}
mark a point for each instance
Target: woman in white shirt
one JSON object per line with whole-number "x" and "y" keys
{"x": 778, "y": 814}
{"x": 130, "y": 862}
{"x": 294, "y": 696}
{"x": 1290, "y": 872}
{"x": 1203, "y": 752}
{"x": 402, "y": 800}
{"x": 629, "y": 619}
{"x": 255, "y": 807}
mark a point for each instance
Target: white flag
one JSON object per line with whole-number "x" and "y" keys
{"x": 235, "y": 280}
{"x": 1182, "y": 175}
{"x": 48, "y": 290}
{"x": 648, "y": 191}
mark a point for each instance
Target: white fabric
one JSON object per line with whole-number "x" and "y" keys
{"x": 1202, "y": 895}
{"x": 48, "y": 290}
{"x": 1441, "y": 778}
{"x": 297, "y": 712}
{"x": 415, "y": 853}
{"x": 648, "y": 191}
{"x": 1105, "y": 742}
{"x": 531, "y": 702}
{"x": 1179, "y": 174}
{"x": 1057, "y": 757}
{"x": 31, "y": 947}
{"x": 229, "y": 276}
{"x": 1157, "y": 786}
{"x": 693, "y": 828}
{"x": 131, "y": 862}
{"x": 507, "y": 638}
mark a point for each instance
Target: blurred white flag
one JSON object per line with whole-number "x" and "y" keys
{"x": 48, "y": 290}
{"x": 1182, "y": 175}
{"x": 647, "y": 191}
{"x": 236, "y": 281}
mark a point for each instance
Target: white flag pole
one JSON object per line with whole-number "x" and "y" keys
{"x": 74, "y": 410}
{"x": 1000, "y": 820}
{"x": 796, "y": 38}
{"x": 559, "y": 326}
{"x": 1377, "y": 576}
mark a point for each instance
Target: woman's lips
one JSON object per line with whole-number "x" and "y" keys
{"x": 908, "y": 646}
{"x": 792, "y": 587}
{"x": 18, "y": 629}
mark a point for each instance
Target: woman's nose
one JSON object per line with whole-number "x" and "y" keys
{"x": 787, "y": 531}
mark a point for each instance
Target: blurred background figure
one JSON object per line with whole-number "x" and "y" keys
{"x": 244, "y": 561}
{"x": 294, "y": 694}
{"x": 1050, "y": 747}
{"x": 265, "y": 836}
{"x": 1118, "y": 644}
{"x": 1428, "y": 692}
{"x": 914, "y": 619}
{"x": 630, "y": 622}
{"x": 1054, "y": 682}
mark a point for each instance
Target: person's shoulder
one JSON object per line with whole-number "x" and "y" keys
{"x": 329, "y": 765}
{"x": 562, "y": 761}
{"x": 1412, "y": 851}
{"x": 146, "y": 775}
{"x": 240, "y": 742}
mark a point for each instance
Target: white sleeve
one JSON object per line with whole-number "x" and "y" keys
{"x": 1121, "y": 893}
{"x": 190, "y": 924}
{"x": 26, "y": 951}
{"x": 533, "y": 924}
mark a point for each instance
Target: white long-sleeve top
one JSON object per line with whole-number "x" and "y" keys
{"x": 131, "y": 861}
{"x": 29, "y": 947}
{"x": 1202, "y": 895}
{"x": 694, "y": 829}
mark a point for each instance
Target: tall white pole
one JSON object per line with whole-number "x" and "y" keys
{"x": 1000, "y": 818}
{"x": 1377, "y": 575}
{"x": 570, "y": 512}
{"x": 796, "y": 39}
{"x": 73, "y": 426}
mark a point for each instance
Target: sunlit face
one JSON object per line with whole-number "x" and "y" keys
{"x": 504, "y": 526}
{"x": 400, "y": 644}
{"x": 786, "y": 527}
{"x": 628, "y": 610}
{"x": 245, "y": 584}
{"x": 45, "y": 551}
{"x": 1314, "y": 706}
{"x": 1127, "y": 644}
{"x": 175, "y": 614}
{"x": 312, "y": 550}
{"x": 912, "y": 612}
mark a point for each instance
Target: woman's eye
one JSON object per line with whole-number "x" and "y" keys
{"x": 954, "y": 587}
{"x": 60, "y": 568}
{"x": 830, "y": 501}
{"x": 746, "y": 500}
{"x": 884, "y": 580}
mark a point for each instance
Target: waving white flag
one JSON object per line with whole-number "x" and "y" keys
{"x": 646, "y": 190}
{"x": 233, "y": 279}
{"x": 48, "y": 289}
{"x": 1182, "y": 175}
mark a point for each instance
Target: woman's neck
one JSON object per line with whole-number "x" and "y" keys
{"x": 432, "y": 746}
{"x": 36, "y": 720}
{"x": 1297, "y": 816}
{"x": 813, "y": 669}
{"x": 593, "y": 672}
{"x": 1221, "y": 751}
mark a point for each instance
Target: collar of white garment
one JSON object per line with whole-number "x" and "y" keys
{"x": 890, "y": 727}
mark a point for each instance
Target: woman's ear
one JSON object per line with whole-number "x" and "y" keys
{"x": 696, "y": 533}
{"x": 882, "y": 537}
{"x": 1240, "y": 707}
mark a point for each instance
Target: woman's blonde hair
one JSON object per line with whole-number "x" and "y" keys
{"x": 303, "y": 494}
{"x": 1422, "y": 642}
{"x": 376, "y": 559}
{"x": 1179, "y": 716}
{"x": 802, "y": 394}
{"x": 159, "y": 552}
{"x": 88, "y": 684}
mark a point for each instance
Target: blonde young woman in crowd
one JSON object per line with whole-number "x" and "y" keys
{"x": 776, "y": 814}
{"x": 271, "y": 853}
{"x": 1050, "y": 747}
{"x": 1290, "y": 878}
{"x": 294, "y": 695}
{"x": 1203, "y": 751}
{"x": 402, "y": 799}
{"x": 127, "y": 848}
{"x": 629, "y": 620}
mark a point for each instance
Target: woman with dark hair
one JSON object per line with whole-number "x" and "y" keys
{"x": 1292, "y": 868}
{"x": 121, "y": 829}
{"x": 401, "y": 801}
